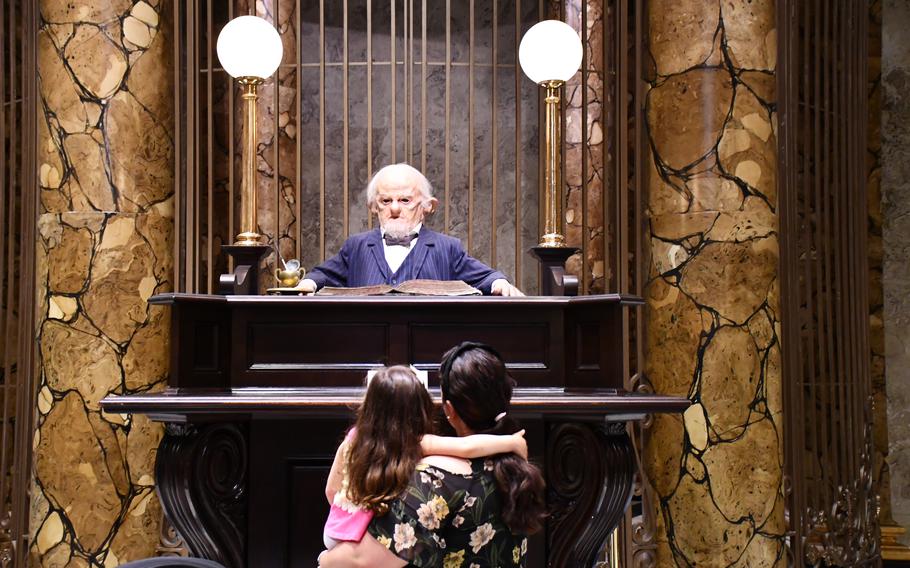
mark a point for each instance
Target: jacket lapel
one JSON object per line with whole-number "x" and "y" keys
{"x": 426, "y": 239}
{"x": 374, "y": 243}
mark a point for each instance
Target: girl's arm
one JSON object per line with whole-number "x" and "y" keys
{"x": 333, "y": 484}
{"x": 475, "y": 446}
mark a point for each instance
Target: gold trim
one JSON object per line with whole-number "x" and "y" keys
{"x": 891, "y": 548}
{"x": 552, "y": 236}
{"x": 248, "y": 206}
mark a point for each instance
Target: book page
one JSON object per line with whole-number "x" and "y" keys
{"x": 375, "y": 290}
{"x": 437, "y": 288}
{"x": 410, "y": 287}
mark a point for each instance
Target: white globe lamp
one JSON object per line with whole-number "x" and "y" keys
{"x": 250, "y": 50}
{"x": 550, "y": 53}
{"x": 249, "y": 46}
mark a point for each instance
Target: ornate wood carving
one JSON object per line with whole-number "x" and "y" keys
{"x": 590, "y": 468}
{"x": 643, "y": 527}
{"x": 170, "y": 543}
{"x": 202, "y": 477}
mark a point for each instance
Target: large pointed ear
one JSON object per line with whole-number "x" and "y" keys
{"x": 431, "y": 205}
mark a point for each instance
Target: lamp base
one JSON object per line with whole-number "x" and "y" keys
{"x": 553, "y": 278}
{"x": 892, "y": 549}
{"x": 552, "y": 240}
{"x": 245, "y": 278}
{"x": 248, "y": 239}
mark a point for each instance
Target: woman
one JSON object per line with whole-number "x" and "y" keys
{"x": 459, "y": 512}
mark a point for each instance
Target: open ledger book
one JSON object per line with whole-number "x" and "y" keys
{"x": 412, "y": 287}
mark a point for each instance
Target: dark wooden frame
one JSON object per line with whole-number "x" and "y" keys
{"x": 257, "y": 404}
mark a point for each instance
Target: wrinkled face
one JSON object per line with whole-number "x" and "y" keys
{"x": 399, "y": 205}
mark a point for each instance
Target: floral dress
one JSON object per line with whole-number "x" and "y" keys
{"x": 450, "y": 520}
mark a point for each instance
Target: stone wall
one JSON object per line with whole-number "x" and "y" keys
{"x": 106, "y": 167}
{"x": 895, "y": 189}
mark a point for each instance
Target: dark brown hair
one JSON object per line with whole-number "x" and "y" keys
{"x": 473, "y": 377}
{"x": 395, "y": 414}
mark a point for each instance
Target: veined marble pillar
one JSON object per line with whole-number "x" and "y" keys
{"x": 712, "y": 296}
{"x": 106, "y": 158}
{"x": 584, "y": 173}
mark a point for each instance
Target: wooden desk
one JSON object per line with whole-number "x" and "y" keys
{"x": 262, "y": 389}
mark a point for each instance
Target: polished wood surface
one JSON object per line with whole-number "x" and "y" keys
{"x": 341, "y": 402}
{"x": 292, "y": 341}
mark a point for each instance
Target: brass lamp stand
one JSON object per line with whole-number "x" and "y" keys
{"x": 248, "y": 247}
{"x": 552, "y": 252}
{"x": 250, "y": 50}
{"x": 248, "y": 207}
{"x": 550, "y": 53}
{"x": 552, "y": 236}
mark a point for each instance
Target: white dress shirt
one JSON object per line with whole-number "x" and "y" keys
{"x": 395, "y": 255}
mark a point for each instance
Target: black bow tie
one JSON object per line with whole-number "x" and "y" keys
{"x": 404, "y": 241}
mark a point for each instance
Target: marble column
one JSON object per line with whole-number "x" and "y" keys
{"x": 712, "y": 296}
{"x": 584, "y": 172}
{"x": 105, "y": 244}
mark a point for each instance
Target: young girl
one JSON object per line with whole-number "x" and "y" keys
{"x": 374, "y": 463}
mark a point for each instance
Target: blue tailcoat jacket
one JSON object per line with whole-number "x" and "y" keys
{"x": 361, "y": 262}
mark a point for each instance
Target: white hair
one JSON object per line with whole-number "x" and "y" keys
{"x": 423, "y": 184}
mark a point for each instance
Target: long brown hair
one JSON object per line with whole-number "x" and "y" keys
{"x": 395, "y": 414}
{"x": 473, "y": 377}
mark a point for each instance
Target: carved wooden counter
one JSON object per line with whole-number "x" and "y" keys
{"x": 262, "y": 388}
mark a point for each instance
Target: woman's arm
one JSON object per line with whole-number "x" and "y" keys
{"x": 333, "y": 483}
{"x": 367, "y": 553}
{"x": 475, "y": 446}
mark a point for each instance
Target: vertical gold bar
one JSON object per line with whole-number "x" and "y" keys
{"x": 5, "y": 188}
{"x": 448, "y": 103}
{"x": 495, "y": 162}
{"x": 541, "y": 155}
{"x": 614, "y": 549}
{"x": 585, "y": 228}
{"x": 517, "y": 67}
{"x": 209, "y": 151}
{"x": 179, "y": 284}
{"x": 298, "y": 124}
{"x": 344, "y": 117}
{"x": 12, "y": 102}
{"x": 249, "y": 194}
{"x": 470, "y": 125}
{"x": 423, "y": 86}
{"x": 7, "y": 191}
{"x": 553, "y": 236}
{"x": 27, "y": 394}
{"x": 322, "y": 129}
{"x": 193, "y": 212}
{"x": 232, "y": 221}
{"x": 370, "y": 99}
{"x": 408, "y": 72}
{"x": 276, "y": 157}
{"x": 393, "y": 62}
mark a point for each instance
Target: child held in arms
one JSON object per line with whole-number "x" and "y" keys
{"x": 391, "y": 434}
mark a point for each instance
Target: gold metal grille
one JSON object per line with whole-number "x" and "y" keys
{"x": 363, "y": 84}
{"x": 17, "y": 223}
{"x": 824, "y": 282}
